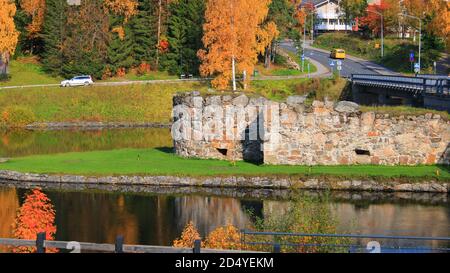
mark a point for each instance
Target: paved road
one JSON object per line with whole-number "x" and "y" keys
{"x": 321, "y": 72}
{"x": 351, "y": 65}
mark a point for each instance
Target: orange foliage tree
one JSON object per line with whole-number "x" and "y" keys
{"x": 188, "y": 236}
{"x": 436, "y": 14}
{"x": 8, "y": 33}
{"x": 127, "y": 8}
{"x": 372, "y": 19}
{"x": 35, "y": 9}
{"x": 227, "y": 237}
{"x": 36, "y": 215}
{"x": 234, "y": 30}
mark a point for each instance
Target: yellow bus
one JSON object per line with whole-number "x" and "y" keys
{"x": 337, "y": 53}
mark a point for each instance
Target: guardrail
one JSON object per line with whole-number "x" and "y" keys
{"x": 431, "y": 84}
{"x": 303, "y": 242}
{"x": 119, "y": 247}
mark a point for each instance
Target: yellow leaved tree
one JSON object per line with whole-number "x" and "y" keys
{"x": 8, "y": 34}
{"x": 35, "y": 9}
{"x": 235, "y": 32}
{"x": 188, "y": 236}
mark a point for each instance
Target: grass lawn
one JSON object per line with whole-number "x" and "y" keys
{"x": 28, "y": 71}
{"x": 163, "y": 162}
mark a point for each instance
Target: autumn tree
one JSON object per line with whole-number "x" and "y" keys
{"x": 36, "y": 10}
{"x": 8, "y": 34}
{"x": 36, "y": 215}
{"x": 352, "y": 9}
{"x": 227, "y": 237}
{"x": 126, "y": 8}
{"x": 435, "y": 16}
{"x": 389, "y": 9}
{"x": 188, "y": 236}
{"x": 86, "y": 38}
{"x": 234, "y": 35}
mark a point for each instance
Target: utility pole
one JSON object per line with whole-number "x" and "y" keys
{"x": 382, "y": 30}
{"x": 420, "y": 35}
{"x": 233, "y": 60}
{"x": 312, "y": 25}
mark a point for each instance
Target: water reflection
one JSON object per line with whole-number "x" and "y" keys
{"x": 157, "y": 219}
{"x": 24, "y": 142}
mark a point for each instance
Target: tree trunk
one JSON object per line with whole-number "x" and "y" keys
{"x": 159, "y": 34}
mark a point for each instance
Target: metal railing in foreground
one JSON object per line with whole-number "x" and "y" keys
{"x": 41, "y": 244}
{"x": 353, "y": 243}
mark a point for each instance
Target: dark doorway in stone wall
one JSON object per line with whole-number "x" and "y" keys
{"x": 223, "y": 152}
{"x": 362, "y": 152}
{"x": 252, "y": 148}
{"x": 445, "y": 158}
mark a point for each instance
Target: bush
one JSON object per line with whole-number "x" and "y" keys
{"x": 16, "y": 116}
{"x": 280, "y": 60}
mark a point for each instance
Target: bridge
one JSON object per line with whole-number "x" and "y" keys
{"x": 430, "y": 91}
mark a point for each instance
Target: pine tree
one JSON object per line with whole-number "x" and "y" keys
{"x": 120, "y": 48}
{"x": 185, "y": 36}
{"x": 143, "y": 31}
{"x": 53, "y": 36}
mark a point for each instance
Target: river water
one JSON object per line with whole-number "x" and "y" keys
{"x": 156, "y": 216}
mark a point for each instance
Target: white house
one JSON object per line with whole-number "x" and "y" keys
{"x": 329, "y": 18}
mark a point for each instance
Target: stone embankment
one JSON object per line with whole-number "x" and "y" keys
{"x": 270, "y": 182}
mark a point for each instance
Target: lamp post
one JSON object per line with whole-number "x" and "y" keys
{"x": 420, "y": 34}
{"x": 382, "y": 30}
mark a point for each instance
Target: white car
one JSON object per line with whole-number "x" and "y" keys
{"x": 78, "y": 81}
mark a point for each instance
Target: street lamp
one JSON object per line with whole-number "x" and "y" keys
{"x": 382, "y": 31}
{"x": 420, "y": 34}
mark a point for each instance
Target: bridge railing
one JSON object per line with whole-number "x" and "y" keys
{"x": 304, "y": 242}
{"x": 435, "y": 84}
{"x": 41, "y": 244}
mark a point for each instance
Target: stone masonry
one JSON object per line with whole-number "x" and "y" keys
{"x": 324, "y": 133}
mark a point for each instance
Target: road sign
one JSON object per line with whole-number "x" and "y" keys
{"x": 339, "y": 63}
{"x": 339, "y": 67}
{"x": 331, "y": 63}
{"x": 411, "y": 56}
{"x": 303, "y": 57}
{"x": 416, "y": 67}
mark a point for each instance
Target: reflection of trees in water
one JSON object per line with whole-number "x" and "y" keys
{"x": 21, "y": 142}
{"x": 9, "y": 204}
{"x": 94, "y": 217}
{"x": 208, "y": 213}
{"x": 395, "y": 219}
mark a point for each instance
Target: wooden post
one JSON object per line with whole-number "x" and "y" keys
{"x": 119, "y": 244}
{"x": 40, "y": 242}
{"x": 197, "y": 246}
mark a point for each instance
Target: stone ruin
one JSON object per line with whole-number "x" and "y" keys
{"x": 297, "y": 133}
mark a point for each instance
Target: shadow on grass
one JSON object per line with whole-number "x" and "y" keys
{"x": 167, "y": 150}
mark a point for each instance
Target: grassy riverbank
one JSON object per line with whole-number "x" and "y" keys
{"x": 164, "y": 162}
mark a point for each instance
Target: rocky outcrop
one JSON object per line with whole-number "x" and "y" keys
{"x": 257, "y": 182}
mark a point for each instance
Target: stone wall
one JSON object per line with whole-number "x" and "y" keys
{"x": 223, "y": 182}
{"x": 325, "y": 133}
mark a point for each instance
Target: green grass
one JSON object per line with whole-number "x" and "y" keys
{"x": 131, "y": 103}
{"x": 153, "y": 75}
{"x": 163, "y": 162}
{"x": 27, "y": 71}
{"x": 404, "y": 111}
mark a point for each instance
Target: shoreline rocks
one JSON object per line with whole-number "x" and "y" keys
{"x": 238, "y": 181}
